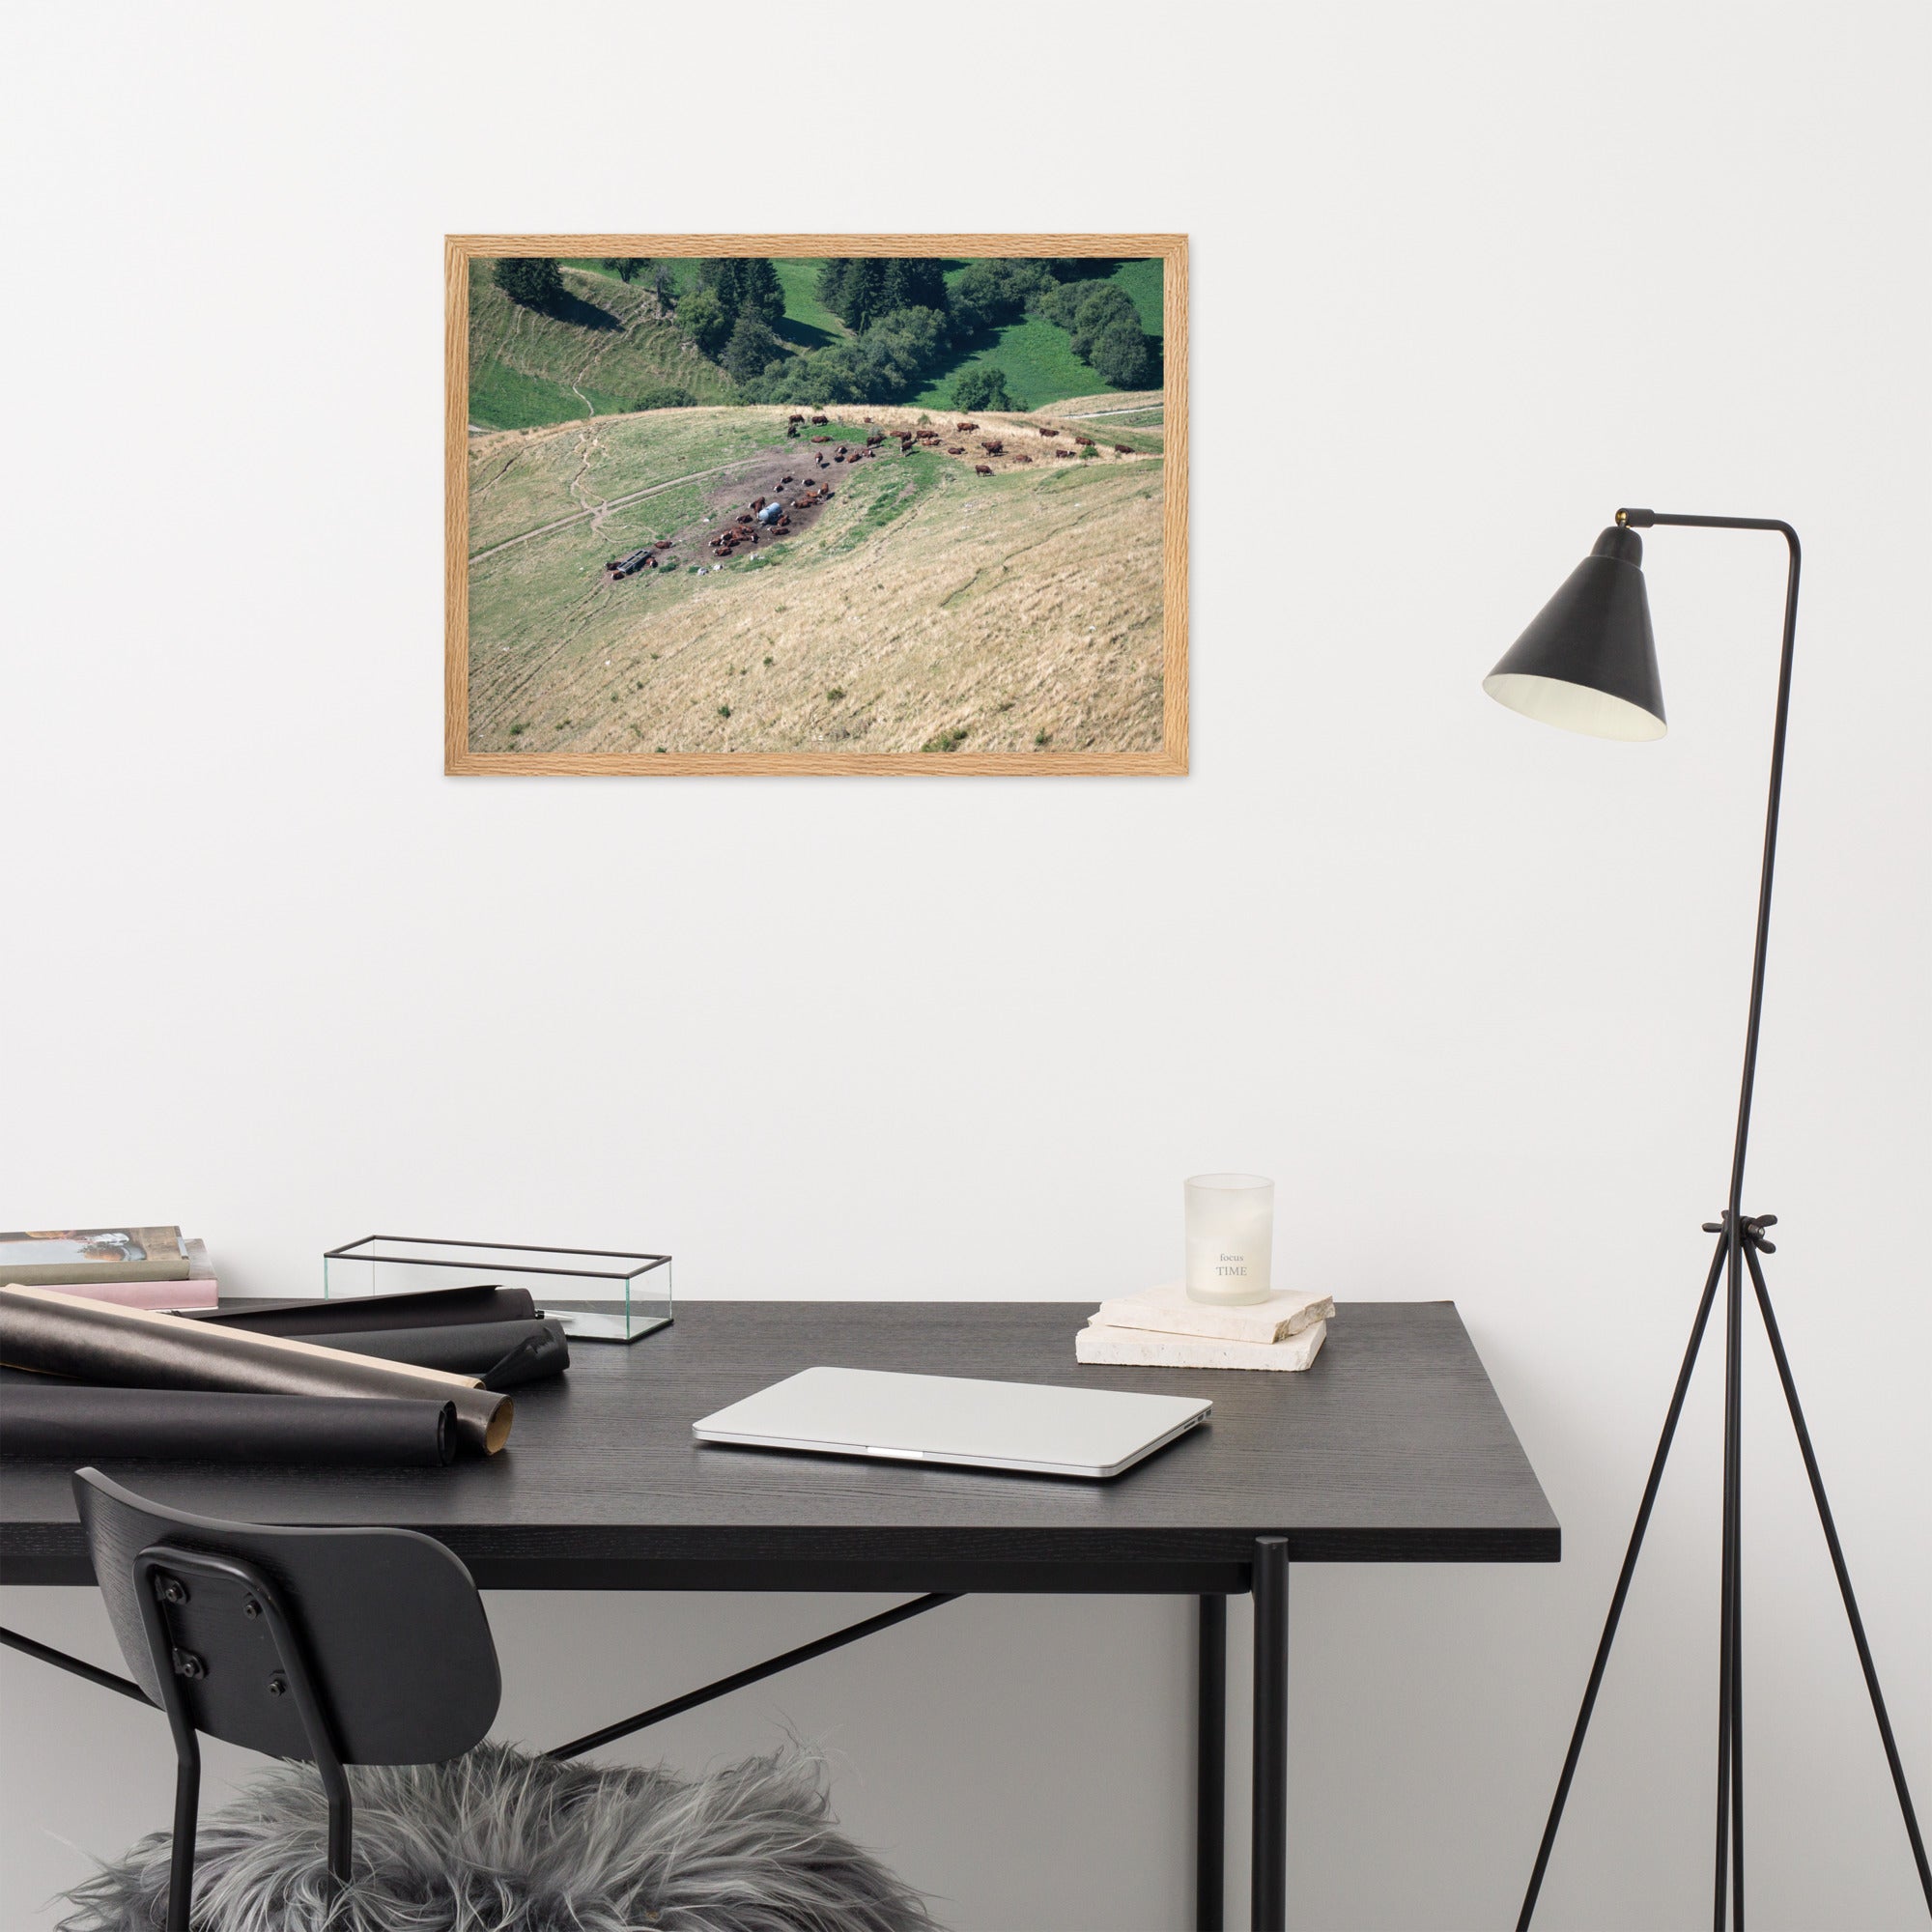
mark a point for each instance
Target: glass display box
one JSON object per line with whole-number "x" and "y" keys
{"x": 599, "y": 1296}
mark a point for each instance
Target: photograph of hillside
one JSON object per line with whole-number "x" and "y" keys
{"x": 820, "y": 511}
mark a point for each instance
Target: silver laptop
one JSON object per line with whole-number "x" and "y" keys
{"x": 1043, "y": 1431}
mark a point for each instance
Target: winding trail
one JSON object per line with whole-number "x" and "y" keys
{"x": 1081, "y": 415}
{"x": 613, "y": 504}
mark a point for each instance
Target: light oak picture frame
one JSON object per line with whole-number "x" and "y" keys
{"x": 1170, "y": 759}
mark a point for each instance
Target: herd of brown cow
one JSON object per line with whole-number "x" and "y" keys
{"x": 923, "y": 437}
{"x": 750, "y": 525}
{"x": 846, "y": 453}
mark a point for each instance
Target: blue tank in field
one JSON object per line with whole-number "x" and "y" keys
{"x": 770, "y": 513}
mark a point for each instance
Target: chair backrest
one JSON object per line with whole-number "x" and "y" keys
{"x": 392, "y": 1632}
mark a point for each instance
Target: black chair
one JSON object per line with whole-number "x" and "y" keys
{"x": 330, "y": 1646}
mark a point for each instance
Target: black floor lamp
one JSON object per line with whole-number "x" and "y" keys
{"x": 1587, "y": 663}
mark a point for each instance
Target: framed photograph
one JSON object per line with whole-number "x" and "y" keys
{"x": 816, "y": 504}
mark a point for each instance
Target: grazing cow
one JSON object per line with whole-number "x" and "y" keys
{"x": 1049, "y": 432}
{"x": 818, "y": 422}
{"x": 961, "y": 429}
{"x": 981, "y": 470}
{"x": 794, "y": 419}
{"x": 1085, "y": 442}
{"x": 878, "y": 435}
{"x": 791, "y": 429}
{"x": 993, "y": 449}
{"x": 1121, "y": 449}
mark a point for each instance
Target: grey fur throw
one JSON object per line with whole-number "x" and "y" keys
{"x": 496, "y": 1841}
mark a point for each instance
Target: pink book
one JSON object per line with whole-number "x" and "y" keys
{"x": 160, "y": 1294}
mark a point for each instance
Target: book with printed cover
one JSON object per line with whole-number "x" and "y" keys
{"x": 60, "y": 1257}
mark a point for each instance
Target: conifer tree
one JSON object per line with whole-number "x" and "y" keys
{"x": 760, "y": 292}
{"x": 863, "y": 291}
{"x": 531, "y": 280}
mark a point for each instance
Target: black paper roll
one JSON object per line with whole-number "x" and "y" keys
{"x": 364, "y": 1313}
{"x": 467, "y": 1347}
{"x": 136, "y": 1347}
{"x": 66, "y": 1422}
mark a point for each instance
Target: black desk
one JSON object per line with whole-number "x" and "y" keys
{"x": 1392, "y": 1448}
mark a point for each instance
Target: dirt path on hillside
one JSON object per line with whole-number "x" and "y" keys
{"x": 608, "y": 504}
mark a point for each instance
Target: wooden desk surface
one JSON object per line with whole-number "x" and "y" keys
{"x": 1392, "y": 1447}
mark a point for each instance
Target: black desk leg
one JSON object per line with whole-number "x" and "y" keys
{"x": 1270, "y": 1894}
{"x": 1210, "y": 1766}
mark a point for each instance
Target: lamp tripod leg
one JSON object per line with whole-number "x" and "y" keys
{"x": 1843, "y": 1575}
{"x": 1622, "y": 1590}
{"x": 1730, "y": 1860}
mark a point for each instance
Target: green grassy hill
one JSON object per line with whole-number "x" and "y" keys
{"x": 807, "y": 321}
{"x": 609, "y": 345}
{"x": 603, "y": 350}
{"x": 1037, "y": 356}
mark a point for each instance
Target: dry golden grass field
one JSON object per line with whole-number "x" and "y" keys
{"x": 1111, "y": 402}
{"x": 924, "y": 606}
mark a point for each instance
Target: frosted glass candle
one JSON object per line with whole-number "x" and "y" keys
{"x": 1230, "y": 1237}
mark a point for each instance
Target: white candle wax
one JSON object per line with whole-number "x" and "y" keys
{"x": 1230, "y": 1237}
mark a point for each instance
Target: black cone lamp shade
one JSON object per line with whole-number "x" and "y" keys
{"x": 1588, "y": 661}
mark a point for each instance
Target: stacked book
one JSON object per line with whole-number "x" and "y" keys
{"x": 131, "y": 1267}
{"x": 1163, "y": 1328}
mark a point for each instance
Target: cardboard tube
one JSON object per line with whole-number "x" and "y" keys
{"x": 138, "y": 1348}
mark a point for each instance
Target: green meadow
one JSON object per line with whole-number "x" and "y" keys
{"x": 608, "y": 348}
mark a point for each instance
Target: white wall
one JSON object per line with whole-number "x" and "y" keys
{"x": 1465, "y": 279}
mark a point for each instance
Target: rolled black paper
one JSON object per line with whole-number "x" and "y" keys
{"x": 363, "y": 1314}
{"x": 66, "y": 1422}
{"x": 466, "y": 1348}
{"x": 525, "y": 1363}
{"x": 138, "y": 1348}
